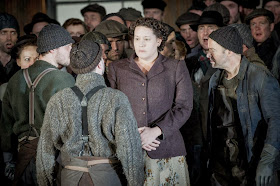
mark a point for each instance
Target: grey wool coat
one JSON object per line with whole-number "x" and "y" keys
{"x": 111, "y": 125}
{"x": 163, "y": 97}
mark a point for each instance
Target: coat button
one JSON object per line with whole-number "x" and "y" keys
{"x": 144, "y": 113}
{"x": 143, "y": 84}
{"x": 143, "y": 99}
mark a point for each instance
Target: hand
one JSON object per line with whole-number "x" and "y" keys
{"x": 265, "y": 171}
{"x": 148, "y": 137}
{"x": 10, "y": 170}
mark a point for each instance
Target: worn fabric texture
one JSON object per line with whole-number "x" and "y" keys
{"x": 15, "y": 113}
{"x": 169, "y": 171}
{"x": 111, "y": 125}
{"x": 258, "y": 105}
{"x": 164, "y": 95}
{"x": 266, "y": 51}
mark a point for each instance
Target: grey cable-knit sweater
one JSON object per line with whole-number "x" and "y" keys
{"x": 111, "y": 124}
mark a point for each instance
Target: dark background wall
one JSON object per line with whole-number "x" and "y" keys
{"x": 23, "y": 10}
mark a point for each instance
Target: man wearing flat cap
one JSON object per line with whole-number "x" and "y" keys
{"x": 115, "y": 33}
{"x": 154, "y": 9}
{"x": 24, "y": 103}
{"x": 9, "y": 29}
{"x": 93, "y": 15}
{"x": 130, "y": 15}
{"x": 261, "y": 22}
{"x": 92, "y": 127}
{"x": 183, "y": 22}
{"x": 244, "y": 120}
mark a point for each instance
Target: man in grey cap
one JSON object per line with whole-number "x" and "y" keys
{"x": 25, "y": 101}
{"x": 9, "y": 29}
{"x": 115, "y": 33}
{"x": 243, "y": 118}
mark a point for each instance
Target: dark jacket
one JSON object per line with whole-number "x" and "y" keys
{"x": 15, "y": 104}
{"x": 164, "y": 94}
{"x": 258, "y": 101}
{"x": 266, "y": 51}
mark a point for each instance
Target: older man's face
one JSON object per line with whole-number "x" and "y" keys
{"x": 274, "y": 7}
{"x": 8, "y": 38}
{"x": 203, "y": 33}
{"x": 261, "y": 29}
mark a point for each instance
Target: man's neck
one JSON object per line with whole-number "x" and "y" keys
{"x": 48, "y": 58}
{"x": 233, "y": 68}
{"x": 4, "y": 58}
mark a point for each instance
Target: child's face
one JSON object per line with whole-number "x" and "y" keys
{"x": 27, "y": 57}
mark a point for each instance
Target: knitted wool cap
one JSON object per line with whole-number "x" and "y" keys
{"x": 259, "y": 12}
{"x": 266, "y": 1}
{"x": 245, "y": 33}
{"x": 8, "y": 21}
{"x": 52, "y": 36}
{"x": 229, "y": 38}
{"x": 130, "y": 14}
{"x": 85, "y": 56}
{"x": 187, "y": 18}
{"x": 159, "y": 4}
{"x": 111, "y": 28}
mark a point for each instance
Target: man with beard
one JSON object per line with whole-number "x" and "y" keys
{"x": 24, "y": 103}
{"x": 9, "y": 33}
{"x": 115, "y": 33}
{"x": 244, "y": 120}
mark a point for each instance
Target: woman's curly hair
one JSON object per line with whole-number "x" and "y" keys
{"x": 158, "y": 28}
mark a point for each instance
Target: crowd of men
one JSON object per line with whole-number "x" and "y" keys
{"x": 231, "y": 49}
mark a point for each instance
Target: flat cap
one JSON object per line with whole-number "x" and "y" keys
{"x": 187, "y": 18}
{"x": 257, "y": 13}
{"x": 130, "y": 14}
{"x": 111, "y": 28}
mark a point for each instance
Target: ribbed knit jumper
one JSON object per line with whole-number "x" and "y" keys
{"x": 111, "y": 125}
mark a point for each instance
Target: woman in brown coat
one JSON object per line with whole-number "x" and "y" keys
{"x": 160, "y": 92}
